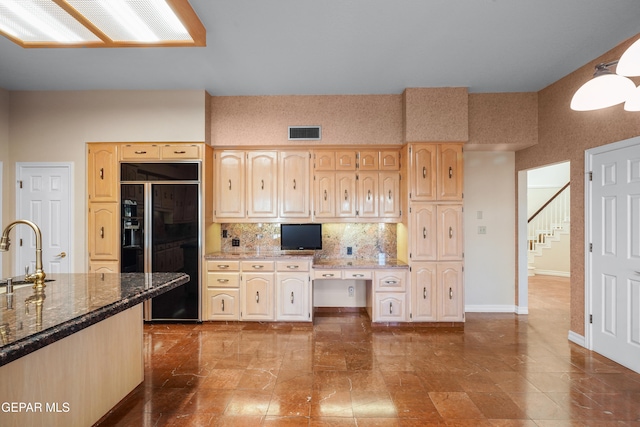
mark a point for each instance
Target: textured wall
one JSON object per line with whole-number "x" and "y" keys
{"x": 502, "y": 121}
{"x": 564, "y": 135}
{"x": 436, "y": 114}
{"x": 345, "y": 119}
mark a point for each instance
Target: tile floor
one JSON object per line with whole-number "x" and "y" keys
{"x": 502, "y": 370}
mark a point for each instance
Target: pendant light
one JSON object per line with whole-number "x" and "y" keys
{"x": 604, "y": 90}
{"x": 629, "y": 63}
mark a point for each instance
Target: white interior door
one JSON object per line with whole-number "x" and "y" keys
{"x": 615, "y": 256}
{"x": 43, "y": 196}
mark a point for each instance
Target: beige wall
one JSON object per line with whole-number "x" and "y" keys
{"x": 54, "y": 127}
{"x": 436, "y": 114}
{"x": 345, "y": 119}
{"x": 564, "y": 135}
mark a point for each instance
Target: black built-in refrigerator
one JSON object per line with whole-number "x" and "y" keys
{"x": 160, "y": 232}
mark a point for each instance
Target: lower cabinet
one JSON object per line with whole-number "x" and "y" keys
{"x": 388, "y": 296}
{"x": 223, "y": 304}
{"x": 437, "y": 292}
{"x": 256, "y": 300}
{"x": 293, "y": 301}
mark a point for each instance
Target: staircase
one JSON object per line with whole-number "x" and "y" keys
{"x": 548, "y": 225}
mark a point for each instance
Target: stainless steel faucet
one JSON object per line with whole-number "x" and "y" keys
{"x": 38, "y": 277}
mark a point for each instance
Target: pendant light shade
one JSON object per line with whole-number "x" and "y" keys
{"x": 633, "y": 102}
{"x": 604, "y": 90}
{"x": 629, "y": 63}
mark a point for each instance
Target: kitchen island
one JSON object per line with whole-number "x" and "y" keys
{"x": 72, "y": 352}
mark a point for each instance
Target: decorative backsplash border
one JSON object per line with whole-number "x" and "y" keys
{"x": 366, "y": 240}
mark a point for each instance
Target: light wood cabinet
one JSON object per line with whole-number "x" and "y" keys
{"x": 222, "y": 304}
{"x": 102, "y": 172}
{"x": 451, "y": 292}
{"x": 423, "y": 243}
{"x": 324, "y": 191}
{"x": 436, "y": 172}
{"x": 450, "y": 245}
{"x": 294, "y": 189}
{"x": 424, "y": 285}
{"x": 262, "y": 169}
{"x": 368, "y": 160}
{"x": 389, "y": 160}
{"x": 104, "y": 232}
{"x": 293, "y": 301}
{"x": 230, "y": 184}
{"x": 368, "y": 195}
{"x": 104, "y": 267}
{"x": 389, "y": 296}
{"x": 257, "y": 296}
{"x": 450, "y": 172}
{"x": 390, "y": 198}
{"x": 146, "y": 152}
{"x": 437, "y": 292}
{"x": 345, "y": 194}
{"x": 346, "y": 160}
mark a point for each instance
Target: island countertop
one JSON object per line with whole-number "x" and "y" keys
{"x": 72, "y": 302}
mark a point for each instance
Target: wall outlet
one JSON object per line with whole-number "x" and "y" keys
{"x": 224, "y": 234}
{"x": 482, "y": 229}
{"x": 235, "y": 242}
{"x": 349, "y": 250}
{"x": 351, "y": 291}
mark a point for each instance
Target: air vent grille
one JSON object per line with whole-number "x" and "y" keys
{"x": 305, "y": 133}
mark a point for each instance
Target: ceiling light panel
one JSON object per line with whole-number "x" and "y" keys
{"x": 41, "y": 21}
{"x": 138, "y": 21}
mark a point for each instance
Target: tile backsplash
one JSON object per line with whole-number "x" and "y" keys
{"x": 366, "y": 240}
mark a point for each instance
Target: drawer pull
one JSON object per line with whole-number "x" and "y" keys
{"x": 179, "y": 152}
{"x": 424, "y": 232}
{"x": 223, "y": 266}
{"x": 450, "y": 172}
{"x": 140, "y": 152}
{"x": 101, "y": 173}
{"x": 390, "y": 282}
{"x": 357, "y": 275}
{"x": 327, "y": 275}
{"x": 424, "y": 171}
{"x": 223, "y": 280}
{"x": 293, "y": 267}
{"x": 257, "y": 296}
{"x": 257, "y": 266}
{"x": 222, "y": 305}
{"x": 291, "y": 297}
{"x": 450, "y": 232}
{"x": 424, "y": 293}
{"x": 450, "y": 293}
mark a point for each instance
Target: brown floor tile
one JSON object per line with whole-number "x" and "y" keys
{"x": 455, "y": 405}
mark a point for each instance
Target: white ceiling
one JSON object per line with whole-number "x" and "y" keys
{"x": 276, "y": 47}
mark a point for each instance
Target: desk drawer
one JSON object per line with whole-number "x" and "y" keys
{"x": 390, "y": 281}
{"x": 223, "y": 280}
{"x": 357, "y": 274}
{"x": 327, "y": 274}
{"x": 223, "y": 265}
{"x": 257, "y": 266}
{"x": 292, "y": 266}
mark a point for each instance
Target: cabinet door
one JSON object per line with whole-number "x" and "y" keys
{"x": 451, "y": 295}
{"x": 104, "y": 231}
{"x": 368, "y": 160}
{"x": 423, "y": 171}
{"x": 390, "y": 280}
{"x": 423, "y": 219}
{"x": 450, "y": 232}
{"x": 390, "y": 160}
{"x": 257, "y": 299}
{"x": 389, "y": 183}
{"x": 368, "y": 194}
{"x": 324, "y": 195}
{"x": 178, "y": 151}
{"x": 104, "y": 267}
{"x": 346, "y": 160}
{"x": 294, "y": 192}
{"x": 292, "y": 297}
{"x": 230, "y": 188}
{"x": 450, "y": 172}
{"x": 345, "y": 194}
{"x": 102, "y": 171}
{"x": 324, "y": 161}
{"x": 222, "y": 304}
{"x": 140, "y": 152}
{"x": 390, "y": 307}
{"x": 262, "y": 170}
{"x": 424, "y": 292}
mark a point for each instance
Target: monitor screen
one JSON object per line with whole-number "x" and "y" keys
{"x": 300, "y": 236}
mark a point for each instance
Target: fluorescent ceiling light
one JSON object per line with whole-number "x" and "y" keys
{"x": 100, "y": 23}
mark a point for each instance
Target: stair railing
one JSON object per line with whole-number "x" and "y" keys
{"x": 553, "y": 213}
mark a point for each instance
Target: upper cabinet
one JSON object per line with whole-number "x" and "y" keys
{"x": 230, "y": 184}
{"x": 436, "y": 172}
{"x": 294, "y": 188}
{"x": 102, "y": 172}
{"x": 146, "y": 152}
{"x": 262, "y": 170}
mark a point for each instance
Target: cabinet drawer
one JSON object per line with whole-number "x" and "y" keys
{"x": 132, "y": 152}
{"x": 358, "y": 274}
{"x": 223, "y": 265}
{"x": 180, "y": 152}
{"x": 327, "y": 274}
{"x": 292, "y": 266}
{"x": 390, "y": 281}
{"x": 223, "y": 280}
{"x": 257, "y": 265}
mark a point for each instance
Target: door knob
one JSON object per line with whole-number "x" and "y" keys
{"x": 61, "y": 255}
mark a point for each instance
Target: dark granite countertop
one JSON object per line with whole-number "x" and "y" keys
{"x": 71, "y": 303}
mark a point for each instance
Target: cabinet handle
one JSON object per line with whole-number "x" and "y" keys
{"x": 424, "y": 293}
{"x": 294, "y": 184}
{"x": 389, "y": 194}
{"x": 390, "y": 308}
{"x": 223, "y": 266}
{"x": 291, "y": 297}
{"x": 262, "y": 184}
{"x": 222, "y": 305}
{"x": 229, "y": 184}
{"x": 101, "y": 173}
{"x": 325, "y": 194}
{"x": 369, "y": 195}
{"x": 346, "y": 195}
{"x": 390, "y": 282}
{"x": 450, "y": 172}
{"x": 327, "y": 275}
{"x": 450, "y": 233}
{"x": 424, "y": 232}
{"x": 257, "y": 296}
{"x": 257, "y": 266}
{"x": 223, "y": 280}
{"x": 140, "y": 152}
{"x": 292, "y": 267}
{"x": 102, "y": 232}
{"x": 424, "y": 172}
{"x": 179, "y": 152}
{"x": 357, "y": 275}
{"x": 450, "y": 293}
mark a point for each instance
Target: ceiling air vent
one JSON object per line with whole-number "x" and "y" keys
{"x": 305, "y": 133}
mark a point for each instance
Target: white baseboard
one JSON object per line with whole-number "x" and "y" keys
{"x": 552, "y": 273}
{"x": 577, "y": 339}
{"x": 522, "y": 310}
